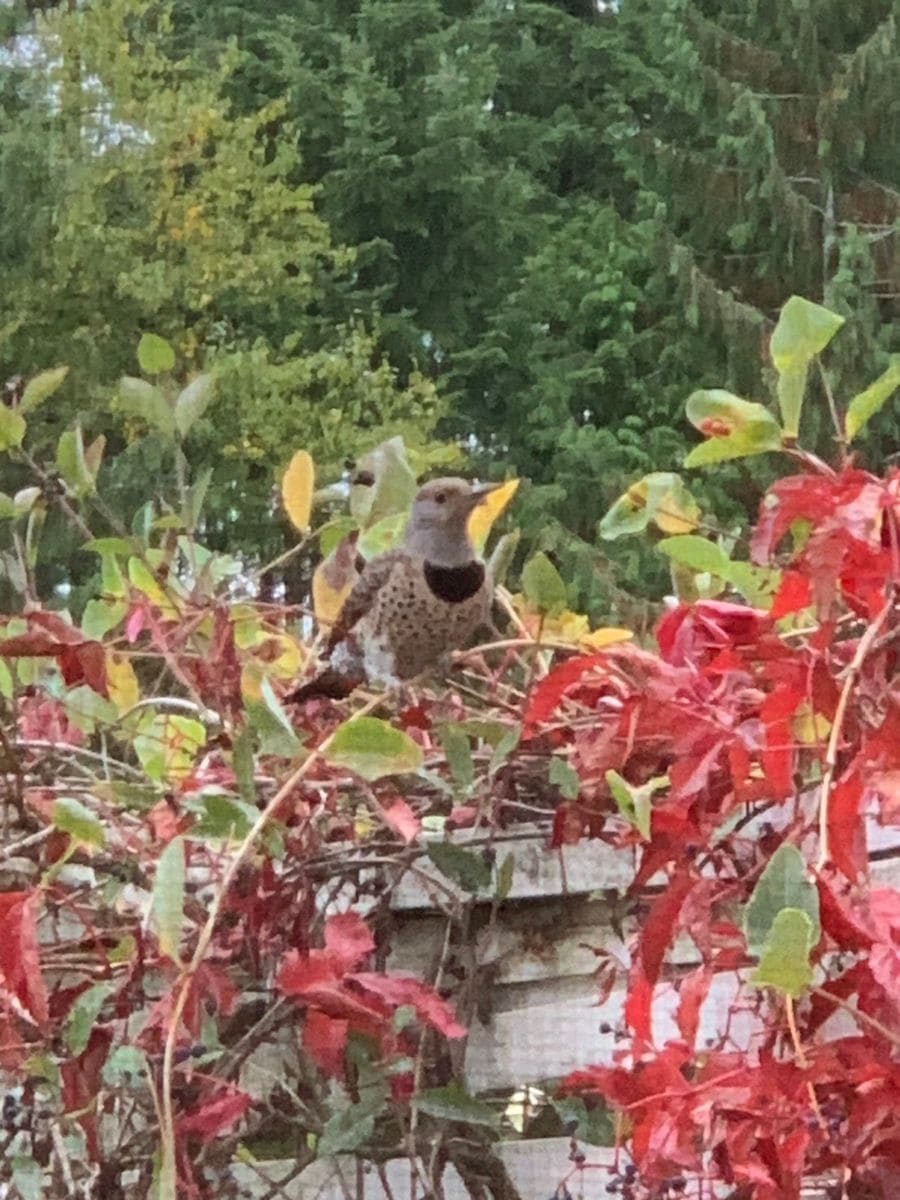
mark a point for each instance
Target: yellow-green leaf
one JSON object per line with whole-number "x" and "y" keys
{"x": 543, "y": 585}
{"x": 803, "y": 330}
{"x": 192, "y": 403}
{"x": 297, "y": 488}
{"x": 735, "y": 428}
{"x": 12, "y": 428}
{"x": 660, "y": 496}
{"x": 74, "y": 818}
{"x": 698, "y": 553}
{"x": 333, "y": 581}
{"x": 784, "y": 964}
{"x": 155, "y": 355}
{"x": 168, "y": 898}
{"x": 373, "y": 748}
{"x": 865, "y": 405}
{"x": 122, "y": 682}
{"x": 484, "y": 515}
{"x": 42, "y": 387}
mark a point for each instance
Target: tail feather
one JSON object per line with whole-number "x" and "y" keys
{"x": 329, "y": 684}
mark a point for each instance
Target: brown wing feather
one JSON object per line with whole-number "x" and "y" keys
{"x": 374, "y": 576}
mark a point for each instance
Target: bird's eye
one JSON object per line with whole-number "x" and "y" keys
{"x": 441, "y": 497}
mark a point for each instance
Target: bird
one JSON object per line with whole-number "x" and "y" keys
{"x": 411, "y": 605}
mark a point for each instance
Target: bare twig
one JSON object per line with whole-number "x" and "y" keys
{"x": 865, "y": 644}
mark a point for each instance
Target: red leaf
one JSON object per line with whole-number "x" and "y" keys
{"x": 81, "y": 1083}
{"x": 839, "y": 922}
{"x": 217, "y": 1116}
{"x": 692, "y": 993}
{"x": 794, "y": 594}
{"x": 325, "y": 1040}
{"x": 60, "y": 629}
{"x": 694, "y": 633}
{"x": 846, "y": 828}
{"x": 20, "y": 968}
{"x": 29, "y": 645}
{"x": 655, "y": 939}
{"x": 348, "y": 937}
{"x": 84, "y": 663}
{"x": 398, "y": 990}
{"x": 402, "y": 820}
{"x": 548, "y": 694}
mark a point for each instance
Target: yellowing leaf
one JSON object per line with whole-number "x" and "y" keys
{"x": 284, "y": 655}
{"x": 252, "y": 677}
{"x": 124, "y": 690}
{"x": 810, "y": 728}
{"x": 609, "y": 635}
{"x": 297, "y": 489}
{"x": 333, "y": 581}
{"x": 482, "y": 518}
{"x": 146, "y": 582}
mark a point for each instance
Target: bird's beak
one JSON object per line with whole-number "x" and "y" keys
{"x": 481, "y": 491}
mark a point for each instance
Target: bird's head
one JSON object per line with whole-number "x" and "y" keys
{"x": 438, "y": 523}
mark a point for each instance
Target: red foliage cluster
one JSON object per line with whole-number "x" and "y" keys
{"x": 340, "y": 998}
{"x": 747, "y": 713}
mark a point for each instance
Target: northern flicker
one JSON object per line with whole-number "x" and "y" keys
{"x": 413, "y": 605}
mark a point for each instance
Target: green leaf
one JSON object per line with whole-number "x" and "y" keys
{"x": 635, "y": 803}
{"x": 100, "y": 616}
{"x": 394, "y": 486}
{"x": 72, "y": 463}
{"x": 735, "y": 428}
{"x": 83, "y": 1016}
{"x": 223, "y": 817}
{"x": 138, "y": 398}
{"x": 110, "y": 546}
{"x": 373, "y": 748}
{"x": 505, "y": 873}
{"x": 383, "y": 535}
{"x": 192, "y": 403}
{"x": 464, "y": 867}
{"x": 784, "y": 963}
{"x": 803, "y": 330}
{"x": 504, "y": 749}
{"x": 42, "y": 387}
{"x": 12, "y": 428}
{"x": 126, "y": 1065}
{"x": 791, "y": 391}
{"x": 168, "y": 898}
{"x": 70, "y": 816}
{"x": 565, "y": 778}
{"x": 698, "y": 553}
{"x": 453, "y": 1103}
{"x": 459, "y": 754}
{"x": 869, "y": 402}
{"x": 660, "y": 496}
{"x": 7, "y": 507}
{"x": 243, "y": 765}
{"x": 784, "y": 883}
{"x": 543, "y": 585}
{"x": 272, "y": 725}
{"x": 27, "y": 1178}
{"x": 155, "y": 355}
{"x": 345, "y": 1131}
{"x": 195, "y": 498}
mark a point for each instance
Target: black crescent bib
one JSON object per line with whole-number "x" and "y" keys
{"x": 454, "y": 584}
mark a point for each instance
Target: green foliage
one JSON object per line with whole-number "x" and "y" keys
{"x": 373, "y": 748}
{"x": 783, "y": 885}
